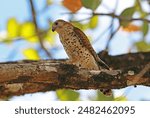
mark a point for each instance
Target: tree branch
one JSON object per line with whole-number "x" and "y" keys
{"x": 37, "y": 29}
{"x": 122, "y": 18}
{"x": 113, "y": 15}
{"x": 17, "y": 78}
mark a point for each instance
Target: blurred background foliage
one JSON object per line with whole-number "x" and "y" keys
{"x": 86, "y": 15}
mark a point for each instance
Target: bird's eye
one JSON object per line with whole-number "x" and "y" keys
{"x": 56, "y": 23}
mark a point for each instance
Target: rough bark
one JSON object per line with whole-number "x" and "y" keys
{"x": 18, "y": 78}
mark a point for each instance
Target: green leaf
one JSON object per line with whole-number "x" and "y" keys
{"x": 126, "y": 13}
{"x": 93, "y": 22}
{"x": 31, "y": 54}
{"x": 145, "y": 28}
{"x": 142, "y": 46}
{"x": 13, "y": 28}
{"x": 91, "y": 4}
{"x": 138, "y": 6}
{"x": 67, "y": 95}
{"x": 102, "y": 97}
{"x": 28, "y": 32}
{"x": 139, "y": 9}
{"x": 120, "y": 98}
{"x": 49, "y": 2}
{"x": 80, "y": 25}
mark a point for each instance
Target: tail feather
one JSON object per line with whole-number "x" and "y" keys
{"x": 102, "y": 64}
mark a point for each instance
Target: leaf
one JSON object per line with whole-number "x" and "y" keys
{"x": 72, "y": 5}
{"x": 81, "y": 26}
{"x": 139, "y": 9}
{"x": 120, "y": 98}
{"x": 138, "y": 6}
{"x": 28, "y": 32}
{"x": 31, "y": 54}
{"x": 142, "y": 46}
{"x": 126, "y": 13}
{"x": 67, "y": 95}
{"x": 93, "y": 22}
{"x": 13, "y": 28}
{"x": 145, "y": 28}
{"x": 91, "y": 4}
{"x": 49, "y": 2}
{"x": 131, "y": 28}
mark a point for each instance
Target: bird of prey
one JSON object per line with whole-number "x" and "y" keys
{"x": 79, "y": 48}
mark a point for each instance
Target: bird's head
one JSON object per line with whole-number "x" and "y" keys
{"x": 61, "y": 25}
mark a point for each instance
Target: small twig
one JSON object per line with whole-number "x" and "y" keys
{"x": 37, "y": 29}
{"x": 111, "y": 36}
{"x": 112, "y": 32}
{"x": 122, "y": 18}
{"x": 113, "y": 15}
{"x": 99, "y": 36}
{"x": 142, "y": 72}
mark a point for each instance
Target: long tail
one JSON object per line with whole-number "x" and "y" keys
{"x": 102, "y": 64}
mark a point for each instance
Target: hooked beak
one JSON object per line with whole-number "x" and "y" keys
{"x": 53, "y": 29}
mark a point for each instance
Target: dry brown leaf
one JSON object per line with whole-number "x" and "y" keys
{"x": 131, "y": 28}
{"x": 72, "y": 5}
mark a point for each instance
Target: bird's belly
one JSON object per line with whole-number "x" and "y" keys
{"x": 81, "y": 57}
{"x": 78, "y": 54}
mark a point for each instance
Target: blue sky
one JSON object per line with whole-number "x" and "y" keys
{"x": 13, "y": 8}
{"x": 20, "y": 10}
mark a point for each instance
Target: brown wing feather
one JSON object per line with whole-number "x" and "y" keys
{"x": 88, "y": 45}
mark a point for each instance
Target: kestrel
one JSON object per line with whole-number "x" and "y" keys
{"x": 79, "y": 48}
